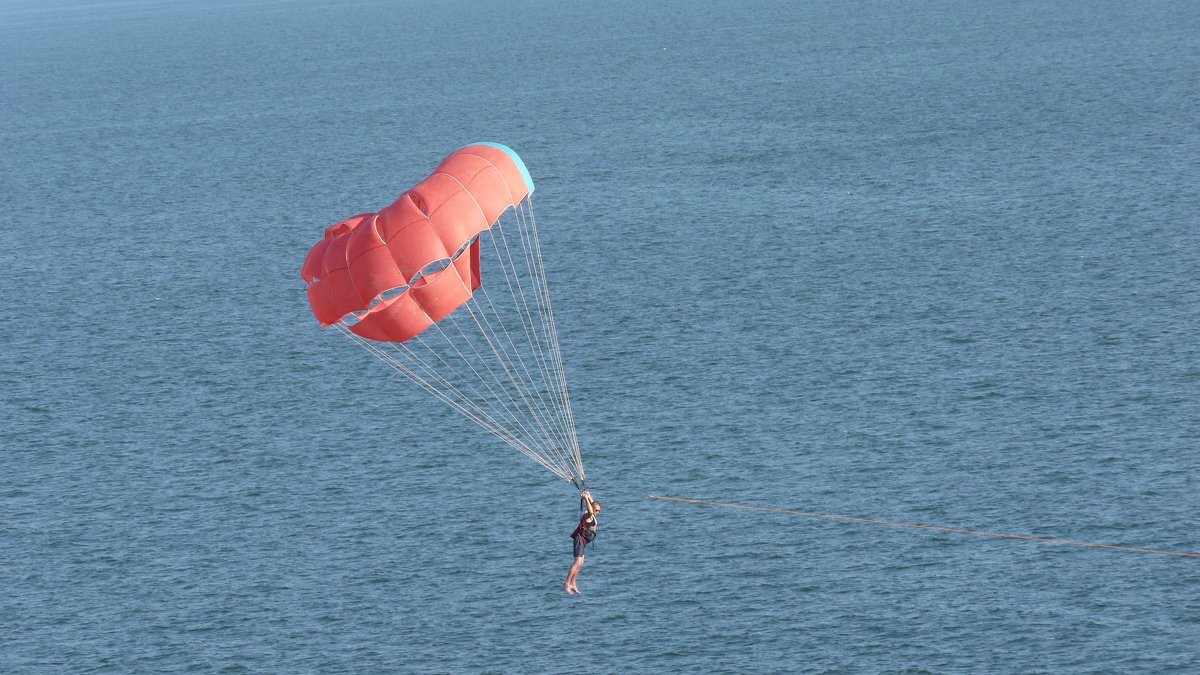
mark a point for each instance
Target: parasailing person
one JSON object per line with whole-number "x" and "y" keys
{"x": 447, "y": 286}
{"x": 581, "y": 537}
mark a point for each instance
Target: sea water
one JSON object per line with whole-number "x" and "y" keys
{"x": 930, "y": 262}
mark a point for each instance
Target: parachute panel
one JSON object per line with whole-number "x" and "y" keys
{"x": 442, "y": 292}
{"x": 313, "y": 261}
{"x": 373, "y": 269}
{"x": 340, "y": 294}
{"x": 412, "y": 240}
{"x": 393, "y": 320}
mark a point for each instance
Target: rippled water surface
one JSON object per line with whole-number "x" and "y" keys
{"x": 930, "y": 262}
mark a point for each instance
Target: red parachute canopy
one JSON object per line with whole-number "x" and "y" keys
{"x": 385, "y": 269}
{"x": 493, "y": 356}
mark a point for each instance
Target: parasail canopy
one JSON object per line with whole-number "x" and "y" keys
{"x": 408, "y": 284}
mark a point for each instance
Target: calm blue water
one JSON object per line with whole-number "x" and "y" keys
{"x": 933, "y": 262}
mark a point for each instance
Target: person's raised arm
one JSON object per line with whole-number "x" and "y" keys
{"x": 587, "y": 499}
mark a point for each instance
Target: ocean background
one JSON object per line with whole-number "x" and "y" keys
{"x": 932, "y": 262}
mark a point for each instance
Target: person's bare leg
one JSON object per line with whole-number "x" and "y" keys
{"x": 575, "y": 577}
{"x": 572, "y": 575}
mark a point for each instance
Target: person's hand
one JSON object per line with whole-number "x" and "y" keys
{"x": 586, "y": 494}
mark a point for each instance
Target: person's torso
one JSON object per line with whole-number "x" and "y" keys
{"x": 587, "y": 527}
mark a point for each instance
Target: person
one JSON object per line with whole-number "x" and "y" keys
{"x": 582, "y": 536}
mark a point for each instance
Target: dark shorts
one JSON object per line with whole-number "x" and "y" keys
{"x": 580, "y": 544}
